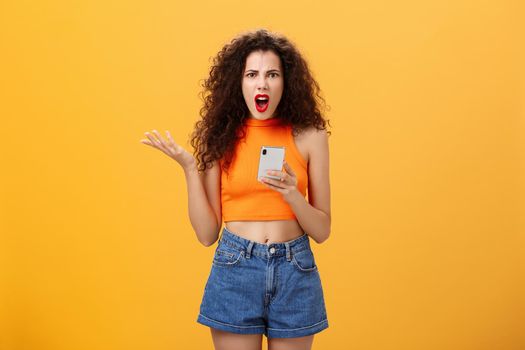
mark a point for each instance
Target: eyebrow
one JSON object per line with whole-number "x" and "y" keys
{"x": 268, "y": 71}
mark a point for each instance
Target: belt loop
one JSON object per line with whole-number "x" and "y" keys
{"x": 249, "y": 250}
{"x": 288, "y": 258}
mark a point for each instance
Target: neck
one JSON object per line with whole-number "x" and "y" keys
{"x": 262, "y": 122}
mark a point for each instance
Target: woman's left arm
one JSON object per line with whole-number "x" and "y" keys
{"x": 313, "y": 216}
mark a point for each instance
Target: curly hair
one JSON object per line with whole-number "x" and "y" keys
{"x": 224, "y": 109}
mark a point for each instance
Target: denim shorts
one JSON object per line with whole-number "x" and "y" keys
{"x": 256, "y": 288}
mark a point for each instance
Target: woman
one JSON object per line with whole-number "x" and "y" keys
{"x": 264, "y": 279}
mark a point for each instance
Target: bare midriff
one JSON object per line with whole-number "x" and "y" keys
{"x": 266, "y": 232}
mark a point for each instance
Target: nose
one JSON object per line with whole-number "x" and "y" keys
{"x": 262, "y": 83}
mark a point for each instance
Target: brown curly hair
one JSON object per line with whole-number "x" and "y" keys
{"x": 224, "y": 109}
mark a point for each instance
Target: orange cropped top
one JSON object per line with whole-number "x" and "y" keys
{"x": 243, "y": 197}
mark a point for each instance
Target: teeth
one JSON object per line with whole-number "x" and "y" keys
{"x": 262, "y": 98}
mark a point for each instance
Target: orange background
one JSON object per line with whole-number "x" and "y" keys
{"x": 427, "y": 170}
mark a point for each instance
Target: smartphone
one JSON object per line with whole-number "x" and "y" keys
{"x": 270, "y": 158}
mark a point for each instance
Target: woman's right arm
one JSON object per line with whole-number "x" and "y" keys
{"x": 204, "y": 206}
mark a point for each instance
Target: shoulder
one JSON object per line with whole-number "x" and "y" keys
{"x": 316, "y": 135}
{"x": 316, "y": 141}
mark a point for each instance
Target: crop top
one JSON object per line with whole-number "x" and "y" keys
{"x": 243, "y": 197}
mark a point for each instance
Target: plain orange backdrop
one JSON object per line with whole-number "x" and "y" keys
{"x": 427, "y": 160}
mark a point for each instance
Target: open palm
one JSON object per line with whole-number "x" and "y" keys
{"x": 170, "y": 148}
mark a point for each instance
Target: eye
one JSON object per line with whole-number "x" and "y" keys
{"x": 274, "y": 74}
{"x": 249, "y": 74}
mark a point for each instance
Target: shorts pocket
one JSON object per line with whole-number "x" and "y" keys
{"x": 225, "y": 256}
{"x": 304, "y": 260}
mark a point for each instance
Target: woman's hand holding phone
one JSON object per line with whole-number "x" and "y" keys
{"x": 171, "y": 149}
{"x": 286, "y": 185}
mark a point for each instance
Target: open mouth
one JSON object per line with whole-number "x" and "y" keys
{"x": 261, "y": 102}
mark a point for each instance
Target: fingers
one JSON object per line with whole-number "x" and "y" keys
{"x": 161, "y": 140}
{"x": 285, "y": 179}
{"x": 277, "y": 173}
{"x": 288, "y": 171}
{"x": 170, "y": 139}
{"x": 272, "y": 183}
{"x": 152, "y": 140}
{"x": 156, "y": 140}
{"x": 288, "y": 168}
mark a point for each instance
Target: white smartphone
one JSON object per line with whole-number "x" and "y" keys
{"x": 270, "y": 158}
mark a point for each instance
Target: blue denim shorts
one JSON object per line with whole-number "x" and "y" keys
{"x": 272, "y": 289}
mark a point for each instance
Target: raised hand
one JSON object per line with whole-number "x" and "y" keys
{"x": 170, "y": 148}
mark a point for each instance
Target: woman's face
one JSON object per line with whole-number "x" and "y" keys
{"x": 262, "y": 76}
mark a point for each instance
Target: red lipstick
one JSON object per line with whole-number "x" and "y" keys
{"x": 262, "y": 101}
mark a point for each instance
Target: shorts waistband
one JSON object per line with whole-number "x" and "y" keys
{"x": 264, "y": 249}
